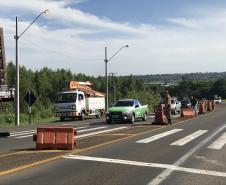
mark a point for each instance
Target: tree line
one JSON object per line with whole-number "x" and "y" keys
{"x": 46, "y": 83}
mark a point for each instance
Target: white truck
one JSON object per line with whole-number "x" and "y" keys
{"x": 79, "y": 101}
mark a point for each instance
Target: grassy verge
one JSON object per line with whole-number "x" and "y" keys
{"x": 8, "y": 120}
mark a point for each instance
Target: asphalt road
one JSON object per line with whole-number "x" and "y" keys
{"x": 188, "y": 153}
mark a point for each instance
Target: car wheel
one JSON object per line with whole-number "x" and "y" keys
{"x": 144, "y": 117}
{"x": 132, "y": 118}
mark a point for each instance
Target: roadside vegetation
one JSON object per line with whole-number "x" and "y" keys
{"x": 46, "y": 83}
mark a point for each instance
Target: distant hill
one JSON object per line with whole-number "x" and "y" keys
{"x": 172, "y": 78}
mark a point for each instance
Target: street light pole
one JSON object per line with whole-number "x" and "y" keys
{"x": 106, "y": 76}
{"x": 113, "y": 86}
{"x": 17, "y": 98}
{"x": 106, "y": 70}
{"x": 17, "y": 111}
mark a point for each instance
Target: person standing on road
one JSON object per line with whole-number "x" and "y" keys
{"x": 168, "y": 107}
{"x": 194, "y": 104}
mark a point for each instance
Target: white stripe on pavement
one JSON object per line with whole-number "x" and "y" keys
{"x": 13, "y": 132}
{"x": 219, "y": 143}
{"x": 20, "y": 137}
{"x": 90, "y": 129}
{"x": 167, "y": 172}
{"x": 158, "y": 136}
{"x": 144, "y": 164}
{"x": 99, "y": 132}
{"x": 24, "y": 133}
{"x": 189, "y": 138}
{"x": 80, "y": 127}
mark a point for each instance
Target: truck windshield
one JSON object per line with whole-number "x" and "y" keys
{"x": 66, "y": 97}
{"x": 128, "y": 103}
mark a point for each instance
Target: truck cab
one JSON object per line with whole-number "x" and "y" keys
{"x": 69, "y": 104}
{"x": 79, "y": 101}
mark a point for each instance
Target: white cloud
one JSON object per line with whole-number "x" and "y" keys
{"x": 185, "y": 45}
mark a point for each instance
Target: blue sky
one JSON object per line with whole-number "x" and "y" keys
{"x": 165, "y": 36}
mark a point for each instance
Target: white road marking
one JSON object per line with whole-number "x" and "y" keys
{"x": 20, "y": 137}
{"x": 219, "y": 143}
{"x": 99, "y": 132}
{"x": 144, "y": 164}
{"x": 158, "y": 136}
{"x": 21, "y": 131}
{"x": 163, "y": 176}
{"x": 90, "y": 129}
{"x": 24, "y": 133}
{"x": 80, "y": 127}
{"x": 189, "y": 138}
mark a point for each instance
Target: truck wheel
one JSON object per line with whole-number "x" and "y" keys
{"x": 82, "y": 116}
{"x": 132, "y": 118}
{"x": 144, "y": 117}
{"x": 98, "y": 116}
{"x": 62, "y": 118}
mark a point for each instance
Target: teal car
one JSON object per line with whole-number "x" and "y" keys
{"x": 127, "y": 110}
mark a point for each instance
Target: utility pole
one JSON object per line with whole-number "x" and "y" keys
{"x": 106, "y": 60}
{"x": 113, "y": 86}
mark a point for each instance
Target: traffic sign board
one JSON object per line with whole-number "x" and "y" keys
{"x": 30, "y": 98}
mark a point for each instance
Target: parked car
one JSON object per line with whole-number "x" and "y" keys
{"x": 175, "y": 106}
{"x": 217, "y": 99}
{"x": 185, "y": 103}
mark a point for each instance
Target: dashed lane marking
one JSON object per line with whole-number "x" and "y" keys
{"x": 158, "y": 136}
{"x": 219, "y": 143}
{"x": 99, "y": 132}
{"x": 189, "y": 138}
{"x": 91, "y": 129}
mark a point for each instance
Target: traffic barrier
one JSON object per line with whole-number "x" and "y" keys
{"x": 52, "y": 138}
{"x": 4, "y": 134}
{"x": 209, "y": 106}
{"x": 202, "y": 108}
{"x": 213, "y": 105}
{"x": 160, "y": 117}
{"x": 187, "y": 112}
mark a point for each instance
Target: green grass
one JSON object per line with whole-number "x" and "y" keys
{"x": 7, "y": 120}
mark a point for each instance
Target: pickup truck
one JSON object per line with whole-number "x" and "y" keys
{"x": 126, "y": 110}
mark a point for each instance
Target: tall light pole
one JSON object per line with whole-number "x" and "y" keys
{"x": 106, "y": 60}
{"x": 17, "y": 98}
{"x": 113, "y": 86}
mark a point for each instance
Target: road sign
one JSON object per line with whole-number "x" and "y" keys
{"x": 30, "y": 98}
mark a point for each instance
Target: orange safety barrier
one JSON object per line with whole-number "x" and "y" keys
{"x": 187, "y": 112}
{"x": 209, "y": 106}
{"x": 52, "y": 138}
{"x": 213, "y": 105}
{"x": 160, "y": 117}
{"x": 202, "y": 108}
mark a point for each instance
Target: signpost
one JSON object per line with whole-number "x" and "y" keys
{"x": 30, "y": 98}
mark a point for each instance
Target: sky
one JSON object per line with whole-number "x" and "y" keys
{"x": 164, "y": 36}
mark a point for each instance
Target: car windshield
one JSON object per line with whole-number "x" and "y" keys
{"x": 124, "y": 103}
{"x": 66, "y": 97}
{"x": 185, "y": 101}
